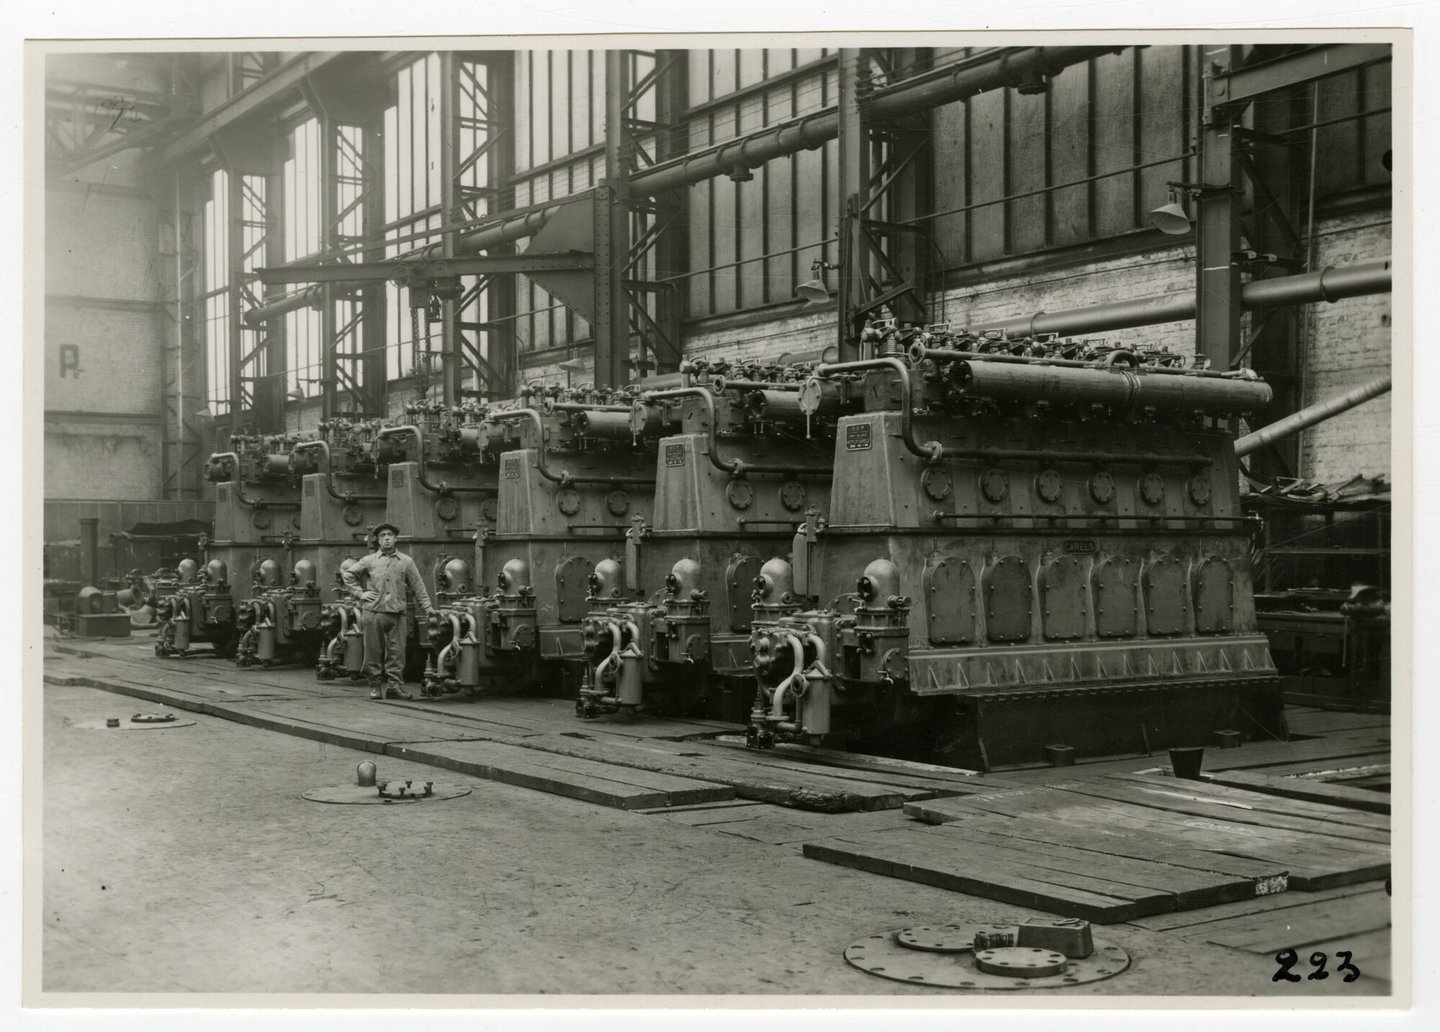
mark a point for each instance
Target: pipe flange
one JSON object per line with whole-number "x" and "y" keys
{"x": 944, "y": 958}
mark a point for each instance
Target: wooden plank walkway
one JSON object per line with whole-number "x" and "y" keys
{"x": 1292, "y": 921}
{"x": 1307, "y": 789}
{"x": 1122, "y": 847}
{"x": 291, "y": 701}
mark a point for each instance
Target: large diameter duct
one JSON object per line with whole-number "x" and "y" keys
{"x": 1309, "y": 416}
{"x": 1329, "y": 284}
{"x": 1115, "y": 386}
{"x": 309, "y": 297}
{"x": 1009, "y": 67}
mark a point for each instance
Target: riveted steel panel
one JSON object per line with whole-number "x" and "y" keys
{"x": 1117, "y": 597}
{"x": 1214, "y": 596}
{"x": 1165, "y": 601}
{"x": 1009, "y": 600}
{"x": 572, "y": 587}
{"x": 739, "y": 582}
{"x": 1062, "y": 598}
{"x": 950, "y": 601}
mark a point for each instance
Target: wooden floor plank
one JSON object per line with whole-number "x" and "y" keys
{"x": 946, "y": 868}
{"x": 1301, "y": 926}
{"x": 1218, "y": 789}
{"x": 1178, "y": 802}
{"x": 1331, "y": 770}
{"x": 1312, "y": 862}
{"x": 600, "y": 784}
{"x": 1188, "y": 888}
{"x": 1184, "y": 922}
{"x": 1253, "y": 755}
{"x": 1263, "y": 878}
{"x": 1306, "y": 790}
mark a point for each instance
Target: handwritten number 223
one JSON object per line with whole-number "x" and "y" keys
{"x": 1287, "y": 959}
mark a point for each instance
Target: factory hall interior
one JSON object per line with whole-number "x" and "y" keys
{"x": 879, "y": 523}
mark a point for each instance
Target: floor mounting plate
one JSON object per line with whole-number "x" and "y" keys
{"x": 941, "y": 957}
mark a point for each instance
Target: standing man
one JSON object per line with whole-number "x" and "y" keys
{"x": 387, "y": 574}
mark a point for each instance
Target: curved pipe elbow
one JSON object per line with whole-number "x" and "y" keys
{"x": 324, "y": 447}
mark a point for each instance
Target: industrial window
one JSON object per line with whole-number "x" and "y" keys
{"x": 253, "y": 231}
{"x": 216, "y": 296}
{"x": 752, "y": 242}
{"x": 300, "y": 175}
{"x": 349, "y": 143}
{"x": 412, "y": 199}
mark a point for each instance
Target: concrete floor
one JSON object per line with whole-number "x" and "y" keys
{"x": 185, "y": 861}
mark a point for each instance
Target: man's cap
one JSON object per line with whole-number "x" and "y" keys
{"x": 386, "y": 526}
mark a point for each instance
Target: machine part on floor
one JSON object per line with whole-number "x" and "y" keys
{"x": 1096, "y": 594}
{"x": 1070, "y": 937}
{"x": 152, "y": 718}
{"x": 117, "y": 724}
{"x": 383, "y": 793}
{"x": 1186, "y": 761}
{"x": 1020, "y": 961}
{"x": 945, "y": 957}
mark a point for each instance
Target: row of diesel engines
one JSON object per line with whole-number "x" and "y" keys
{"x": 961, "y": 548}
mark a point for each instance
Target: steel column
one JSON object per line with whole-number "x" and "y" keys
{"x": 612, "y": 236}
{"x": 373, "y": 366}
{"x": 329, "y": 243}
{"x": 500, "y": 292}
{"x": 241, "y": 392}
{"x": 853, "y": 178}
{"x": 1217, "y": 227}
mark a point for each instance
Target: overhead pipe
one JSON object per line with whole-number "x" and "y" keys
{"x": 411, "y": 428}
{"x": 1331, "y": 284}
{"x": 1310, "y": 415}
{"x": 309, "y": 297}
{"x": 734, "y": 467}
{"x": 564, "y": 477}
{"x": 1003, "y": 68}
{"x": 347, "y": 498}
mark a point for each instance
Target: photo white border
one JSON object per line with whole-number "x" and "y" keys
{"x": 537, "y": 23}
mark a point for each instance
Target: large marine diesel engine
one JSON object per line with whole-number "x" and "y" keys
{"x": 744, "y": 451}
{"x": 571, "y": 470}
{"x": 1028, "y": 544}
{"x": 257, "y": 503}
{"x": 341, "y": 497}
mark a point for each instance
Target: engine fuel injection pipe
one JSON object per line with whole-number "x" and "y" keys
{"x": 735, "y": 467}
{"x": 934, "y": 451}
{"x": 348, "y": 497}
{"x": 564, "y": 477}
{"x": 441, "y": 488}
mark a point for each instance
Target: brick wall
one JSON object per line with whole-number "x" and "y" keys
{"x": 1348, "y": 344}
{"x": 104, "y": 342}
